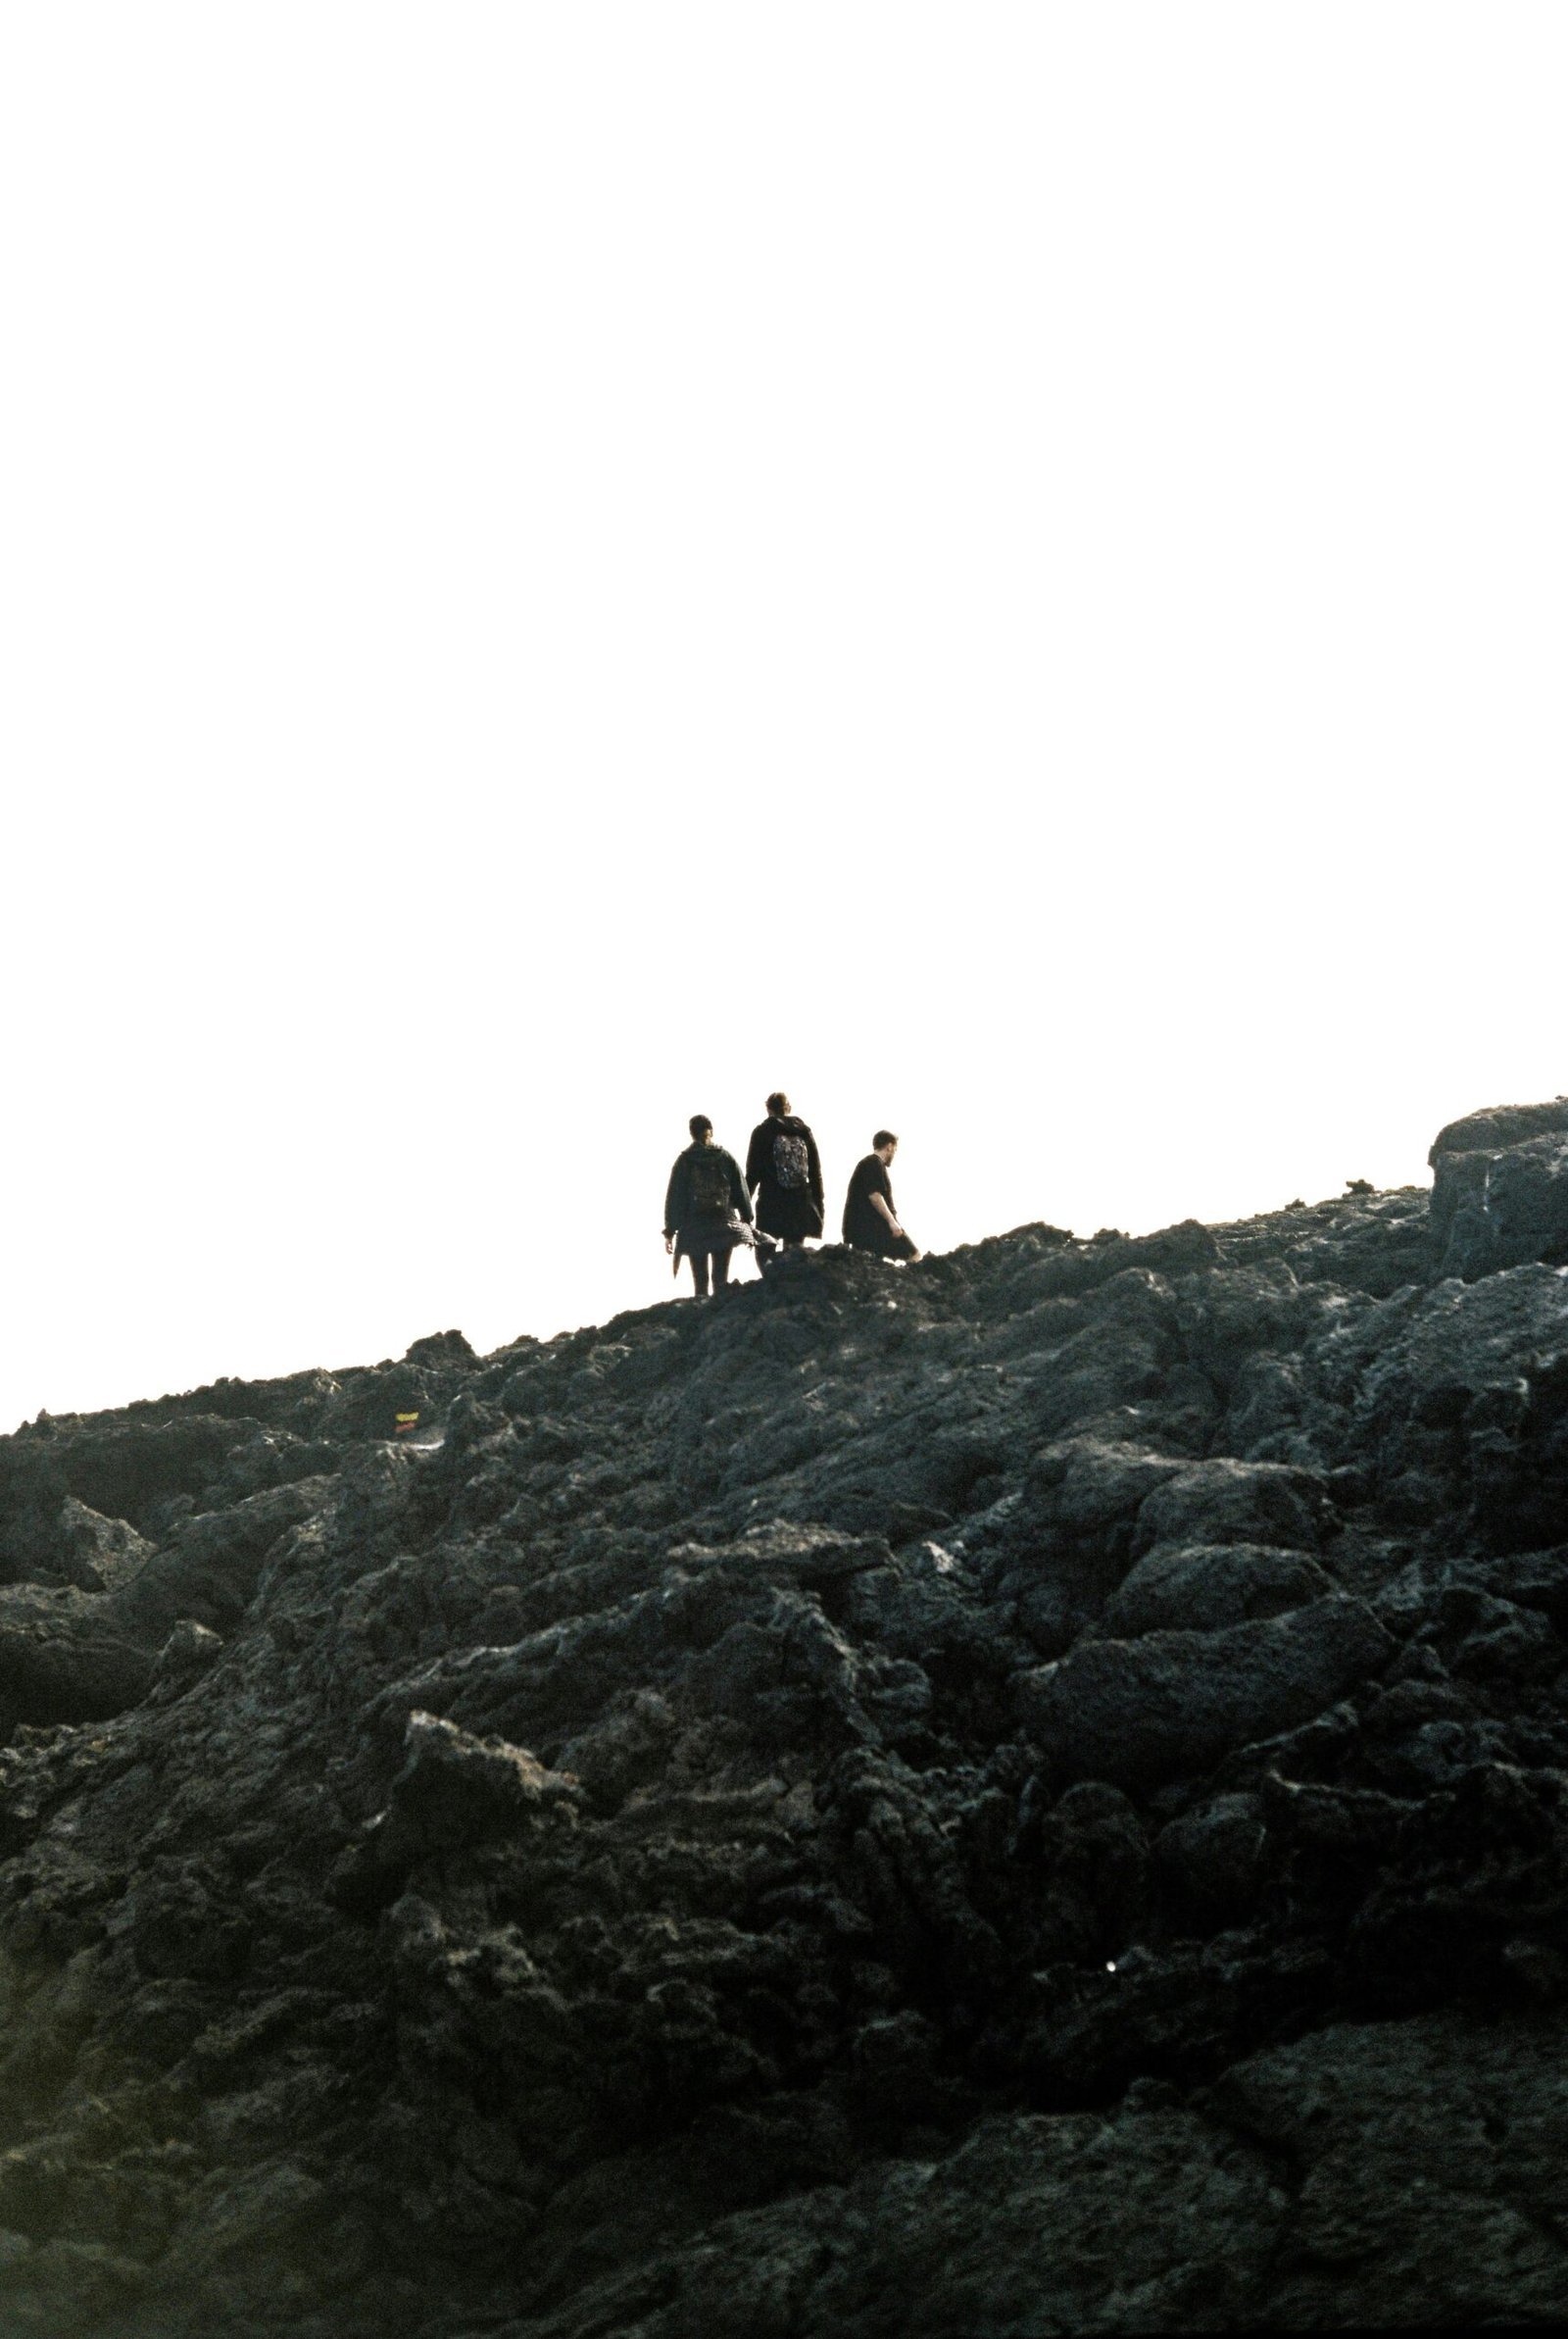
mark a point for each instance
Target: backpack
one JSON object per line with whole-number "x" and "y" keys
{"x": 792, "y": 1163}
{"x": 708, "y": 1186}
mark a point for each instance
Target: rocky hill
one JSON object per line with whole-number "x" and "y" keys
{"x": 1027, "y": 1793}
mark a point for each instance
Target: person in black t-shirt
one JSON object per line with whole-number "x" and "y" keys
{"x": 869, "y": 1221}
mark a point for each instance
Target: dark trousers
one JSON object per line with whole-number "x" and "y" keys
{"x": 885, "y": 1243}
{"x": 701, "y": 1262}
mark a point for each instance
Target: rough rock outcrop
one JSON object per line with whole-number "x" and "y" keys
{"x": 1501, "y": 1188}
{"x": 1025, "y": 1793}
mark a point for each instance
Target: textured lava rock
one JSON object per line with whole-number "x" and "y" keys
{"x": 1199, "y": 1587}
{"x": 1170, "y": 1705}
{"x": 1501, "y": 1188}
{"x": 1024, "y": 1793}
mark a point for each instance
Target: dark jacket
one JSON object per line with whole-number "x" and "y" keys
{"x": 790, "y": 1211}
{"x": 704, "y": 1230}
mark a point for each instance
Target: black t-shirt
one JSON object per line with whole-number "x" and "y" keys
{"x": 862, "y": 1223}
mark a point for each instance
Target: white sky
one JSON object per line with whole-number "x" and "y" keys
{"x": 1001, "y": 568}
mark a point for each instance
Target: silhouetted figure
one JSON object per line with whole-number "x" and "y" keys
{"x": 869, "y": 1221}
{"x": 784, "y": 1174}
{"x": 707, "y": 1208}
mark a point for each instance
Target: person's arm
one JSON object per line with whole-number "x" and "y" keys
{"x": 880, "y": 1203}
{"x": 816, "y": 1161}
{"x": 737, "y": 1187}
{"x": 674, "y": 1200}
{"x": 881, "y": 1200}
{"x": 754, "y": 1161}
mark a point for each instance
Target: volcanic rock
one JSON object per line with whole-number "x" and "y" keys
{"x": 1023, "y": 1793}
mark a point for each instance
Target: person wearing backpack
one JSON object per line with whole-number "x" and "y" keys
{"x": 784, "y": 1174}
{"x": 707, "y": 1208}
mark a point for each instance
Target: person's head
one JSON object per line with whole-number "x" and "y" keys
{"x": 779, "y": 1104}
{"x": 885, "y": 1144}
{"x": 702, "y": 1129}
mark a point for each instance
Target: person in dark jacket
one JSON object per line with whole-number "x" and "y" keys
{"x": 707, "y": 1208}
{"x": 784, "y": 1174}
{"x": 870, "y": 1223}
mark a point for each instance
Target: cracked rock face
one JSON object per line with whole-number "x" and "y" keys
{"x": 1026, "y": 1793}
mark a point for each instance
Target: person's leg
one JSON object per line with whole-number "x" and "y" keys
{"x": 699, "y": 1265}
{"x": 889, "y": 1245}
{"x": 721, "y": 1273}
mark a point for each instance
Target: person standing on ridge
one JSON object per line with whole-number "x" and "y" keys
{"x": 707, "y": 1208}
{"x": 784, "y": 1174}
{"x": 870, "y": 1222}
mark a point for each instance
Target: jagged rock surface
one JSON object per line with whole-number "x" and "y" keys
{"x": 1028, "y": 1793}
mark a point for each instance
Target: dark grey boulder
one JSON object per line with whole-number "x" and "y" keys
{"x": 1504, "y": 1209}
{"x": 453, "y": 1790}
{"x": 1227, "y": 1501}
{"x": 1499, "y": 1127}
{"x": 61, "y": 1659}
{"x": 780, "y": 1551}
{"x": 94, "y": 1553}
{"x": 1170, "y": 1705}
{"x": 1429, "y": 2148}
{"x": 1086, "y": 1494}
{"x": 1199, "y": 1587}
{"x": 1497, "y": 1196}
{"x": 1214, "y": 1858}
{"x": 1379, "y": 2177}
